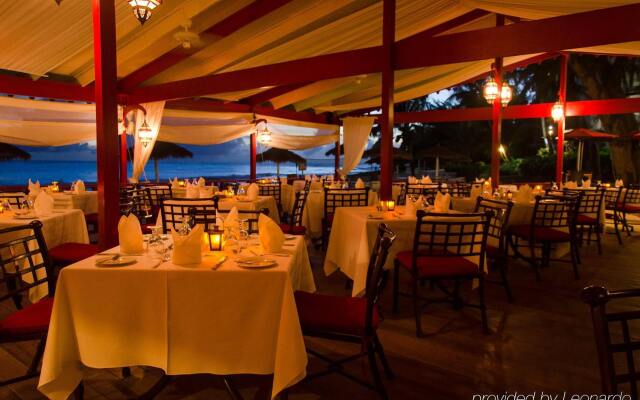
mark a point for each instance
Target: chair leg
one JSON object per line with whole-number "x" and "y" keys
{"x": 574, "y": 260}
{"x": 625, "y": 224}
{"x": 383, "y": 358}
{"x": 78, "y": 394}
{"x": 615, "y": 225}
{"x": 37, "y": 357}
{"x": 577, "y": 250}
{"x": 598, "y": 241}
{"x": 416, "y": 308}
{"x": 457, "y": 302}
{"x": 396, "y": 285}
{"x": 502, "y": 267}
{"x": 375, "y": 372}
{"x": 483, "y": 307}
{"x": 534, "y": 261}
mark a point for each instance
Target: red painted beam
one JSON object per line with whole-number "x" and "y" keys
{"x": 496, "y": 120}
{"x": 252, "y": 157}
{"x": 387, "y": 116}
{"x": 242, "y": 17}
{"x": 44, "y": 88}
{"x": 542, "y": 110}
{"x": 104, "y": 53}
{"x": 562, "y": 97}
{"x": 615, "y": 25}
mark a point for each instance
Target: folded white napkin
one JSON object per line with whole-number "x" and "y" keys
{"x": 130, "y": 235}
{"x": 425, "y": 179}
{"x": 187, "y": 249}
{"x": 175, "y": 184}
{"x": 412, "y": 180}
{"x": 232, "y": 218}
{"x": 524, "y": 194}
{"x": 206, "y": 192}
{"x": 359, "y": 184}
{"x": 619, "y": 183}
{"x": 411, "y": 207}
{"x": 253, "y": 191}
{"x": 193, "y": 191}
{"x": 271, "y": 236}
{"x": 586, "y": 183}
{"x": 43, "y": 204}
{"x": 442, "y": 202}
{"x": 34, "y": 188}
{"x": 570, "y": 185}
{"x": 476, "y": 191}
{"x": 79, "y": 187}
{"x": 479, "y": 180}
{"x": 201, "y": 181}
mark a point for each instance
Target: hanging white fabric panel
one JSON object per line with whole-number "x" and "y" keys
{"x": 142, "y": 153}
{"x": 45, "y": 133}
{"x": 204, "y": 134}
{"x": 290, "y": 142}
{"x": 355, "y": 137}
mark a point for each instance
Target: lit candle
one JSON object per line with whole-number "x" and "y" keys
{"x": 382, "y": 205}
{"x": 538, "y": 187}
{"x": 215, "y": 239}
{"x": 181, "y": 183}
{"x": 1, "y": 208}
{"x": 391, "y": 205}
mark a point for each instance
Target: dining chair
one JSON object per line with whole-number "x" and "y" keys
{"x": 553, "y": 222}
{"x": 588, "y": 217}
{"x": 335, "y": 198}
{"x": 497, "y": 255}
{"x": 446, "y": 247}
{"x": 13, "y": 198}
{"x": 272, "y": 189}
{"x": 612, "y": 201}
{"x": 351, "y": 319}
{"x": 174, "y": 211}
{"x": 294, "y": 227}
{"x": 402, "y": 192}
{"x": 616, "y": 338}
{"x": 460, "y": 189}
{"x": 156, "y": 193}
{"x": 25, "y": 264}
{"x": 630, "y": 205}
{"x": 207, "y": 216}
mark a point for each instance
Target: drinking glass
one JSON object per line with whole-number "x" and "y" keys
{"x": 243, "y": 234}
{"x": 156, "y": 247}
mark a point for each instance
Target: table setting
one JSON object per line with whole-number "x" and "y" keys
{"x": 187, "y": 302}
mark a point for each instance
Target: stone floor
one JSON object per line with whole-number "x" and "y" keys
{"x": 541, "y": 342}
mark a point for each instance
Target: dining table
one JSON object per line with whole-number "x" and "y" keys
{"x": 214, "y": 318}
{"x": 85, "y": 201}
{"x": 58, "y": 227}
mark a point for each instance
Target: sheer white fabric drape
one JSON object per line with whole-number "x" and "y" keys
{"x": 355, "y": 137}
{"x": 142, "y": 153}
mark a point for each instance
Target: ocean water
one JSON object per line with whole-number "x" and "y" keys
{"x": 19, "y": 172}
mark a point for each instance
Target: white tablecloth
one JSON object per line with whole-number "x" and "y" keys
{"x": 287, "y": 197}
{"x": 87, "y": 201}
{"x": 62, "y": 226}
{"x": 182, "y": 320}
{"x": 262, "y": 202}
{"x": 314, "y": 211}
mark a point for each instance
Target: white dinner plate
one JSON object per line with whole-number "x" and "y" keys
{"x": 256, "y": 262}
{"x": 118, "y": 262}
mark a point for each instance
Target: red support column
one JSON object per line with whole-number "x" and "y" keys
{"x": 123, "y": 159}
{"x": 562, "y": 97}
{"x": 496, "y": 125}
{"x": 337, "y": 159}
{"x": 104, "y": 51}
{"x": 386, "y": 118}
{"x": 252, "y": 157}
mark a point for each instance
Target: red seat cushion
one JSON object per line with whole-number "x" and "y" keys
{"x": 336, "y": 314}
{"x": 582, "y": 219}
{"x": 630, "y": 208}
{"x": 31, "y": 320}
{"x": 540, "y": 234}
{"x": 297, "y": 230}
{"x": 70, "y": 253}
{"x": 438, "y": 266}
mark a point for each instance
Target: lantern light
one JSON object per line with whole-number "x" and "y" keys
{"x": 557, "y": 111}
{"x": 503, "y": 151}
{"x": 142, "y": 8}
{"x": 505, "y": 94}
{"x": 145, "y": 134}
{"x": 490, "y": 90}
{"x": 263, "y": 135}
{"x": 215, "y": 239}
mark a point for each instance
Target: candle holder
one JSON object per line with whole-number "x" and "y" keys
{"x": 215, "y": 239}
{"x": 390, "y": 205}
{"x": 181, "y": 183}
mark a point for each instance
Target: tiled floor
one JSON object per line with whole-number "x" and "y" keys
{"x": 542, "y": 341}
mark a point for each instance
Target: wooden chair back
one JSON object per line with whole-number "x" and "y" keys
{"x": 298, "y": 208}
{"x": 556, "y": 212}
{"x": 335, "y": 198}
{"x": 271, "y": 189}
{"x": 13, "y": 198}
{"x": 376, "y": 274}
{"x": 174, "y": 211}
{"x": 500, "y": 211}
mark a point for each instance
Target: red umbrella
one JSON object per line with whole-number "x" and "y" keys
{"x": 586, "y": 134}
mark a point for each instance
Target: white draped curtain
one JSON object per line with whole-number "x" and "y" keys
{"x": 355, "y": 137}
{"x": 142, "y": 153}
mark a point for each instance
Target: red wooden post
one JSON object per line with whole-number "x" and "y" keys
{"x": 123, "y": 159}
{"x": 562, "y": 97}
{"x": 386, "y": 118}
{"x": 104, "y": 51}
{"x": 337, "y": 159}
{"x": 252, "y": 157}
{"x": 496, "y": 125}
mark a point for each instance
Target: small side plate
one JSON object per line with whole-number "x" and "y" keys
{"x": 118, "y": 262}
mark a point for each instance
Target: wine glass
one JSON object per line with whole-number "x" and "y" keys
{"x": 243, "y": 234}
{"x": 156, "y": 247}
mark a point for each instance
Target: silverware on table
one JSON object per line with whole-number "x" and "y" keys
{"x": 219, "y": 263}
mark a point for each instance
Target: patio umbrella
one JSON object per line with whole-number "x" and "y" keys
{"x": 163, "y": 150}
{"x": 582, "y": 135}
{"x": 11, "y": 152}
{"x": 280, "y": 156}
{"x": 440, "y": 152}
